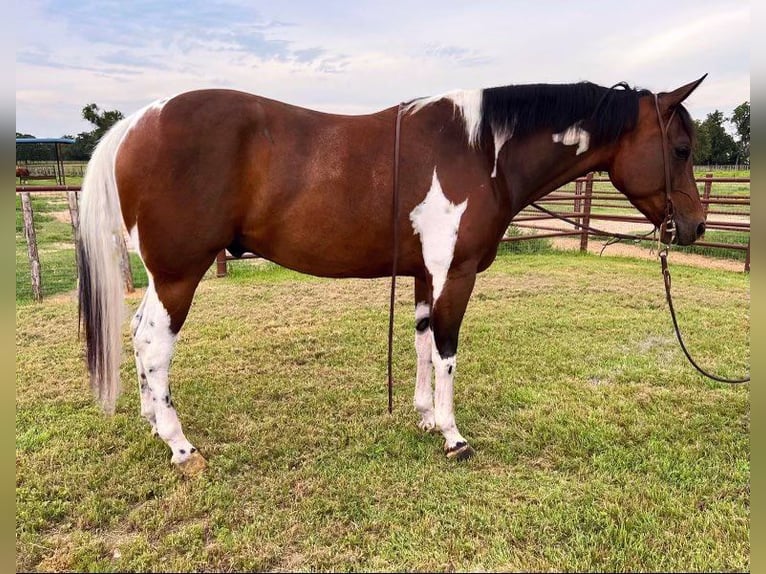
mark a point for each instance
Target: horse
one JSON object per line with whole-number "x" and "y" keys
{"x": 22, "y": 172}
{"x": 214, "y": 169}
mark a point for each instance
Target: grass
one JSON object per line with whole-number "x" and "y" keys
{"x": 598, "y": 447}
{"x": 55, "y": 244}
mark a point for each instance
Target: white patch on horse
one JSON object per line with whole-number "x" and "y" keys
{"x": 422, "y": 310}
{"x": 154, "y": 343}
{"x": 574, "y": 135}
{"x": 500, "y": 137}
{"x": 467, "y": 101}
{"x": 436, "y": 220}
{"x": 444, "y": 413}
{"x": 424, "y": 399}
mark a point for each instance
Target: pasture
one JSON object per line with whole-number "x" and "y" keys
{"x": 598, "y": 447}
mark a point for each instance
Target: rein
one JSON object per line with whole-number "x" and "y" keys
{"x": 667, "y": 226}
{"x": 395, "y": 220}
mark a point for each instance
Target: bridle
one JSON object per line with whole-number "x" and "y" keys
{"x": 667, "y": 230}
{"x": 668, "y": 227}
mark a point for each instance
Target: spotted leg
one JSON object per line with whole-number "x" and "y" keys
{"x": 147, "y": 408}
{"x": 424, "y": 398}
{"x": 448, "y": 311}
{"x": 154, "y": 338}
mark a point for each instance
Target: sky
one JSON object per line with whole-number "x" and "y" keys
{"x": 359, "y": 57}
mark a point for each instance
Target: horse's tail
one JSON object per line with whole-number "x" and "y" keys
{"x": 100, "y": 286}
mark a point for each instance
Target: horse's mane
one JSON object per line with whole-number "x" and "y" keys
{"x": 520, "y": 110}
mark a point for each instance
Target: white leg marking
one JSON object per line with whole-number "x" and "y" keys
{"x": 424, "y": 399}
{"x": 436, "y": 220}
{"x": 147, "y": 406}
{"x": 574, "y": 135}
{"x": 443, "y": 402}
{"x": 154, "y": 343}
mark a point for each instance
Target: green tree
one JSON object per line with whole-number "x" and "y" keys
{"x": 714, "y": 144}
{"x": 740, "y": 118}
{"x": 32, "y": 152}
{"x": 702, "y": 147}
{"x": 102, "y": 120}
{"x": 79, "y": 150}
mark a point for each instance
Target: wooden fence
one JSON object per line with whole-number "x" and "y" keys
{"x": 587, "y": 201}
{"x": 74, "y": 215}
{"x": 589, "y": 206}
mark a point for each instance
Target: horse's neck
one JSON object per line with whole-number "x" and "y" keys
{"x": 539, "y": 166}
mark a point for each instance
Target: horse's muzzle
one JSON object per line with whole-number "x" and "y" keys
{"x": 684, "y": 234}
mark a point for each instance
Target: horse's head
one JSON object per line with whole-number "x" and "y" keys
{"x": 639, "y": 166}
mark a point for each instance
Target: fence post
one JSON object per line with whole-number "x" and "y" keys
{"x": 706, "y": 193}
{"x": 127, "y": 272}
{"x": 74, "y": 215}
{"x": 31, "y": 237}
{"x": 577, "y": 201}
{"x": 747, "y": 256}
{"x": 586, "y": 212}
{"x": 221, "y": 268}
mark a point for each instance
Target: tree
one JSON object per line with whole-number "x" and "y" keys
{"x": 714, "y": 144}
{"x": 85, "y": 142}
{"x": 740, "y": 118}
{"x": 702, "y": 147}
{"x": 32, "y": 152}
{"x": 78, "y": 151}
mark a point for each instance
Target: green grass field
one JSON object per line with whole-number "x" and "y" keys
{"x": 598, "y": 447}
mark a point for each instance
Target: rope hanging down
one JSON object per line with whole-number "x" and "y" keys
{"x": 395, "y": 234}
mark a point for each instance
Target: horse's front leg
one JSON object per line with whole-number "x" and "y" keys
{"x": 424, "y": 396}
{"x": 448, "y": 311}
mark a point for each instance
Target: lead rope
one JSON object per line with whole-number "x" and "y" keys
{"x": 663, "y": 252}
{"x": 666, "y": 278}
{"x": 395, "y": 223}
{"x": 666, "y": 226}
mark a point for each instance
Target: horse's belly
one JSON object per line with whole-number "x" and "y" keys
{"x": 315, "y": 250}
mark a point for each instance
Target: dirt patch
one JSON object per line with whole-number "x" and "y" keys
{"x": 62, "y": 216}
{"x": 625, "y": 250}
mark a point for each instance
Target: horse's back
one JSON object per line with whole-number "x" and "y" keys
{"x": 210, "y": 169}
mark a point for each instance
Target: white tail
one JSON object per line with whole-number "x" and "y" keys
{"x": 100, "y": 285}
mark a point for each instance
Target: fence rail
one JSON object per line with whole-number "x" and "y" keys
{"x": 585, "y": 204}
{"x": 585, "y": 200}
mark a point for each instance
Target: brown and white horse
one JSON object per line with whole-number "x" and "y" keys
{"x": 206, "y": 170}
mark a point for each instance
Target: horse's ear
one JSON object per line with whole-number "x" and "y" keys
{"x": 669, "y": 100}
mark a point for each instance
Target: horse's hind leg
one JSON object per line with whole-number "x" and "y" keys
{"x": 147, "y": 408}
{"x": 424, "y": 397}
{"x": 163, "y": 313}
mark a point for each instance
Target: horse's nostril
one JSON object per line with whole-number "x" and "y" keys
{"x": 700, "y": 230}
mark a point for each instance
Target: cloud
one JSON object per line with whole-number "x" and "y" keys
{"x": 355, "y": 58}
{"x": 456, "y": 54}
{"x": 710, "y": 29}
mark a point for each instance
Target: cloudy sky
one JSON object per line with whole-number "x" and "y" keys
{"x": 359, "y": 56}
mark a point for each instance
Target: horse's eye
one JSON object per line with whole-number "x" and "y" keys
{"x": 682, "y": 152}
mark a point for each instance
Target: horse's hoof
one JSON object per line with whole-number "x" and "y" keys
{"x": 461, "y": 451}
{"x": 193, "y": 465}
